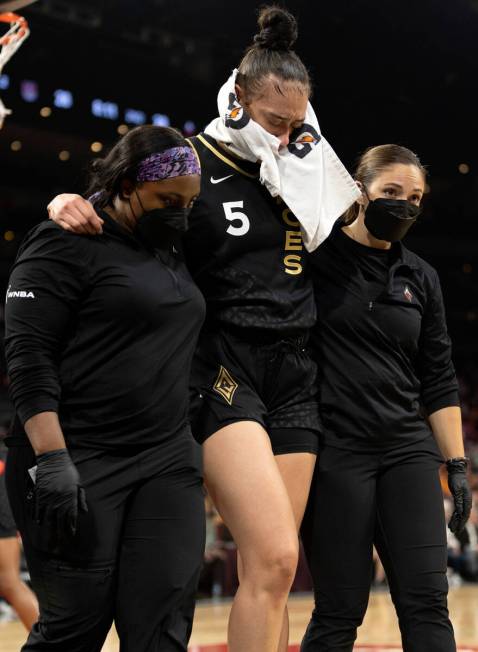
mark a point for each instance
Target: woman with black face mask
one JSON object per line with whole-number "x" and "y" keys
{"x": 104, "y": 477}
{"x": 390, "y": 412}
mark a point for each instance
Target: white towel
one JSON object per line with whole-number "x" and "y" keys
{"x": 307, "y": 174}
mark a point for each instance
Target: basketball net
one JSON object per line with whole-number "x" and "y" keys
{"x": 10, "y": 42}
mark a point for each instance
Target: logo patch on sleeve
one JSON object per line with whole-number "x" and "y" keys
{"x": 18, "y": 294}
{"x": 225, "y": 385}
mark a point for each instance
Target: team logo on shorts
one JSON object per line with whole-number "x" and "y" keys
{"x": 225, "y": 385}
{"x": 236, "y": 117}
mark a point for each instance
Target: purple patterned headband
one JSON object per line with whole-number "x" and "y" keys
{"x": 174, "y": 162}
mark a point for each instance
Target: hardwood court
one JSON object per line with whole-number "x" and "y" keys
{"x": 378, "y": 633}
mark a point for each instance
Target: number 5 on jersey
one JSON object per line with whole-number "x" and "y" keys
{"x": 232, "y": 213}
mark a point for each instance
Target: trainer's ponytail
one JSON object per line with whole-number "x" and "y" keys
{"x": 271, "y": 53}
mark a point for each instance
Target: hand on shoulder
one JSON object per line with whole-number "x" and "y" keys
{"x": 73, "y": 213}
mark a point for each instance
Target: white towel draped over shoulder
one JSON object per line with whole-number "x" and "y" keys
{"x": 307, "y": 174}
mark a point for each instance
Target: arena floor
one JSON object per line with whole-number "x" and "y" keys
{"x": 378, "y": 633}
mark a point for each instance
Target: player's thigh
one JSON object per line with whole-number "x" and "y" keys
{"x": 245, "y": 483}
{"x": 296, "y": 470}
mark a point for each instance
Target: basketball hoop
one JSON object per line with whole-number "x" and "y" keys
{"x": 9, "y": 43}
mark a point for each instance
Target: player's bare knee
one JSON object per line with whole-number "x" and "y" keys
{"x": 285, "y": 563}
{"x": 275, "y": 570}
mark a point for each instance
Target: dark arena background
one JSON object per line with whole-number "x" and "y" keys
{"x": 383, "y": 72}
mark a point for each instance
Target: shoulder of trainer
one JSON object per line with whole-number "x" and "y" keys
{"x": 329, "y": 246}
{"x": 428, "y": 273}
{"x": 49, "y": 241}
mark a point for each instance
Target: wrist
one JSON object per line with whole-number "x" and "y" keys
{"x": 48, "y": 454}
{"x": 457, "y": 464}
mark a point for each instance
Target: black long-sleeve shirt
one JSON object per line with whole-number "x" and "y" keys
{"x": 244, "y": 249}
{"x": 381, "y": 343}
{"x": 102, "y": 331}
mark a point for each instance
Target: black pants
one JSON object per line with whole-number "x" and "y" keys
{"x": 393, "y": 500}
{"x": 135, "y": 558}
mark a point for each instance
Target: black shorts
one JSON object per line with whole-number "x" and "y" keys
{"x": 272, "y": 383}
{"x": 8, "y": 529}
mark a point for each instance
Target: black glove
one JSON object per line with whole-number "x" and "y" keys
{"x": 58, "y": 493}
{"x": 460, "y": 491}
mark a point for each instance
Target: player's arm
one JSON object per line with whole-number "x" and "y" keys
{"x": 73, "y": 213}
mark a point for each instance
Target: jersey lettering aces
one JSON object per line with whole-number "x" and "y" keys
{"x": 244, "y": 248}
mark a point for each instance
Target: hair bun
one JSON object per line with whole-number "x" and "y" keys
{"x": 278, "y": 29}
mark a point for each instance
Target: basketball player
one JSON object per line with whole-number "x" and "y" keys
{"x": 103, "y": 474}
{"x": 391, "y": 416}
{"x": 253, "y": 382}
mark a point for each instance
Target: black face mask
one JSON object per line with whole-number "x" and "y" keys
{"x": 161, "y": 227}
{"x": 390, "y": 219}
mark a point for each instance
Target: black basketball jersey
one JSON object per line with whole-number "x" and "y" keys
{"x": 244, "y": 248}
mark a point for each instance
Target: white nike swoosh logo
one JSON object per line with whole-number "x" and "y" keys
{"x": 213, "y": 180}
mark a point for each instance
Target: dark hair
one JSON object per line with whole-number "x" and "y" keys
{"x": 374, "y": 161}
{"x": 106, "y": 174}
{"x": 271, "y": 52}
